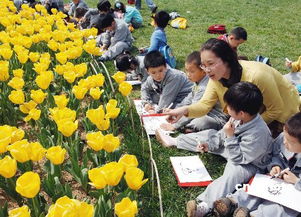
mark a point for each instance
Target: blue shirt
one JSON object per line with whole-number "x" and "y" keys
{"x": 158, "y": 40}
{"x": 132, "y": 15}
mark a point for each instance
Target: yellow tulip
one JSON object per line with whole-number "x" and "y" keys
{"x": 59, "y": 114}
{"x": 40, "y": 67}
{"x": 28, "y": 106}
{"x": 61, "y": 101}
{"x": 128, "y": 161}
{"x": 67, "y": 127}
{"x": 34, "y": 56}
{"x": 6, "y": 53}
{"x": 79, "y": 91}
{"x": 53, "y": 45}
{"x": 16, "y": 83}
{"x": 97, "y": 117}
{"x": 61, "y": 57}
{"x": 126, "y": 208}
{"x": 112, "y": 111}
{"x": 119, "y": 77}
{"x": 22, "y": 57}
{"x": 37, "y": 151}
{"x": 4, "y": 75}
{"x": 17, "y": 134}
{"x": 99, "y": 80}
{"x": 8, "y": 167}
{"x": 66, "y": 207}
{"x": 17, "y": 97}
{"x": 59, "y": 69}
{"x": 20, "y": 150}
{"x": 96, "y": 93}
{"x": 81, "y": 69}
{"x": 95, "y": 140}
{"x": 5, "y": 137}
{"x": 38, "y": 96}
{"x": 28, "y": 185}
{"x": 44, "y": 79}
{"x": 56, "y": 155}
{"x": 125, "y": 88}
{"x": 97, "y": 178}
{"x": 112, "y": 172}
{"x": 69, "y": 76}
{"x": 23, "y": 211}
{"x": 33, "y": 114}
{"x": 111, "y": 143}
{"x": 134, "y": 178}
{"x": 18, "y": 73}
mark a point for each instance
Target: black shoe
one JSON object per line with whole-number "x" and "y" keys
{"x": 154, "y": 10}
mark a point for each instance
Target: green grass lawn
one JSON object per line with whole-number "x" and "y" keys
{"x": 274, "y": 30}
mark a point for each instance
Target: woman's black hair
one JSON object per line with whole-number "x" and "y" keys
{"x": 222, "y": 50}
{"x": 124, "y": 61}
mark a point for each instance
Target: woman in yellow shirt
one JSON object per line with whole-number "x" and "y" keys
{"x": 280, "y": 97}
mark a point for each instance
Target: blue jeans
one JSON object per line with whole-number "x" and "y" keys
{"x": 149, "y": 3}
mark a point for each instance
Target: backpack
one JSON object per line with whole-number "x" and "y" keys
{"x": 217, "y": 29}
{"x": 170, "y": 59}
{"x": 263, "y": 59}
{"x": 179, "y": 23}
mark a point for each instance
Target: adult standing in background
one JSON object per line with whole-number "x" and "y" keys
{"x": 151, "y": 5}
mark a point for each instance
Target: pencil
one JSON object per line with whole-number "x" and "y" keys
{"x": 281, "y": 173}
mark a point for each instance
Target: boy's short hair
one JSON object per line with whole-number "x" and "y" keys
{"x": 194, "y": 58}
{"x": 105, "y": 21}
{"x": 293, "y": 126}
{"x": 119, "y": 6}
{"x": 104, "y": 5}
{"x": 162, "y": 18}
{"x": 244, "y": 96}
{"x": 239, "y": 33}
{"x": 154, "y": 59}
{"x": 80, "y": 12}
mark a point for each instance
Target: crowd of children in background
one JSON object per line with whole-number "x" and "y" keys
{"x": 224, "y": 105}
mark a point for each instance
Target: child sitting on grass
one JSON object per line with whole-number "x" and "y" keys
{"x": 215, "y": 119}
{"x": 129, "y": 14}
{"x": 158, "y": 38}
{"x": 286, "y": 154}
{"x": 245, "y": 141}
{"x": 134, "y": 66}
{"x": 118, "y": 37}
{"x": 236, "y": 37}
{"x": 164, "y": 87}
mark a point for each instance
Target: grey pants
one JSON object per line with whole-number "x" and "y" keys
{"x": 260, "y": 207}
{"x": 233, "y": 175}
{"x": 198, "y": 124}
{"x": 116, "y": 49}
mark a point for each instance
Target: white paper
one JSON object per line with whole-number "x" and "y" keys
{"x": 151, "y": 123}
{"x": 275, "y": 190}
{"x": 190, "y": 169}
{"x": 134, "y": 82}
{"x": 139, "y": 107}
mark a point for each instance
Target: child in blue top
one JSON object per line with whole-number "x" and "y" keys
{"x": 158, "y": 38}
{"x": 286, "y": 154}
{"x": 130, "y": 14}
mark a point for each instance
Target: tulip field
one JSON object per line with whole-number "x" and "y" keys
{"x": 62, "y": 150}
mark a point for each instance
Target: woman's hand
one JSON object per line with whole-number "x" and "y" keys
{"x": 167, "y": 127}
{"x": 175, "y": 114}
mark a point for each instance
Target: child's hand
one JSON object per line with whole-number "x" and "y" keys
{"x": 229, "y": 128}
{"x": 167, "y": 127}
{"x": 141, "y": 49}
{"x": 275, "y": 170}
{"x": 290, "y": 177}
{"x": 202, "y": 147}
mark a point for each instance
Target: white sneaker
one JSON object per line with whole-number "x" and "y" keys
{"x": 197, "y": 210}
